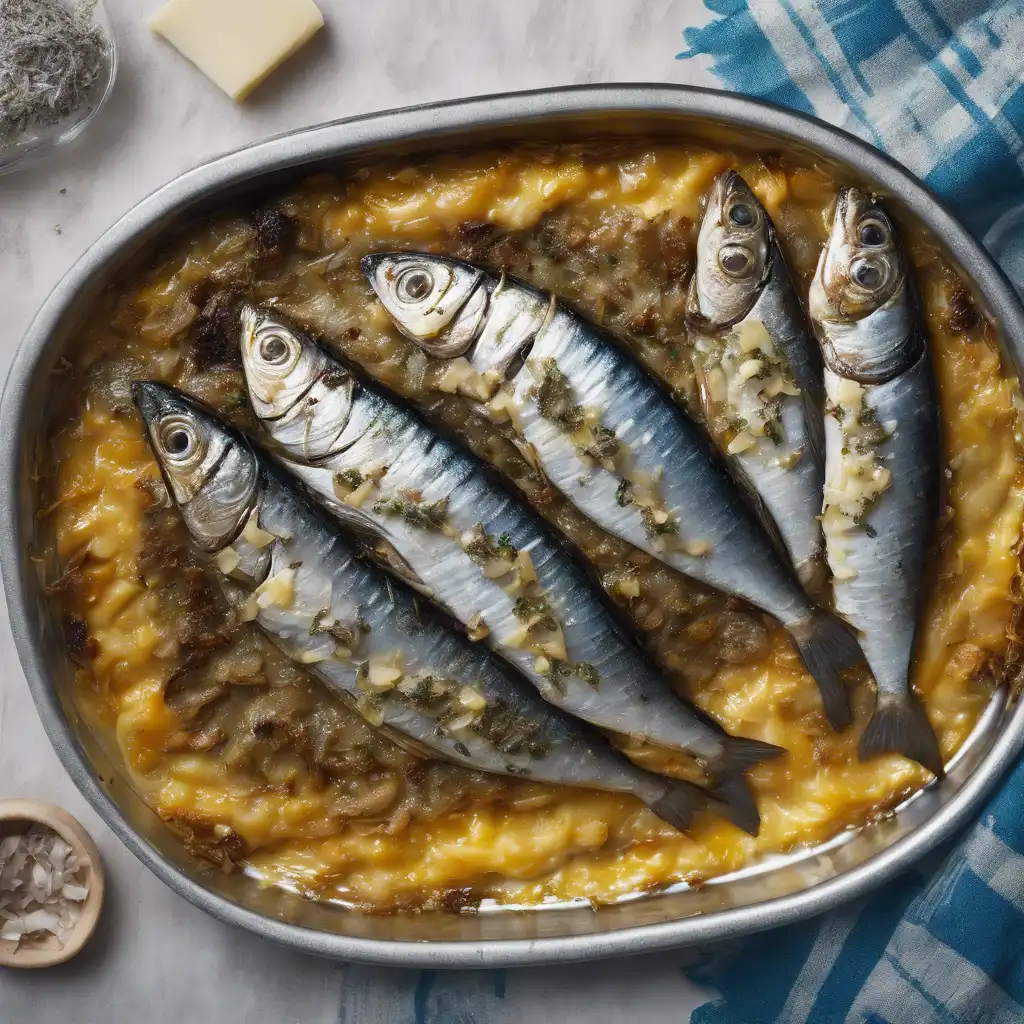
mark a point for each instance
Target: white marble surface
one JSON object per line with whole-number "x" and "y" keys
{"x": 156, "y": 958}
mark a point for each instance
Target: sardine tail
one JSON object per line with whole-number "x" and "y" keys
{"x": 828, "y": 648}
{"x": 734, "y": 801}
{"x": 678, "y": 802}
{"x": 900, "y": 726}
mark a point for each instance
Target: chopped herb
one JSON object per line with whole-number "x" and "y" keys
{"x": 872, "y": 433}
{"x": 536, "y": 611}
{"x": 351, "y": 478}
{"x": 53, "y": 55}
{"x": 655, "y": 529}
{"x": 555, "y": 400}
{"x": 509, "y": 731}
{"x": 320, "y": 627}
{"x": 585, "y": 671}
{"x": 481, "y": 548}
{"x": 462, "y": 748}
{"x": 430, "y": 516}
{"x": 870, "y": 530}
{"x": 606, "y": 444}
{"x": 623, "y": 497}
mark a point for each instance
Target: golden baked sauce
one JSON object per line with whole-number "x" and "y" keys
{"x": 256, "y": 765}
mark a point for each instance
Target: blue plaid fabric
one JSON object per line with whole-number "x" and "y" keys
{"x": 938, "y": 84}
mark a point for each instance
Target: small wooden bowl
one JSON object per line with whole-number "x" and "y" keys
{"x": 17, "y": 816}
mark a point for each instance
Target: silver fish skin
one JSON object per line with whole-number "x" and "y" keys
{"x": 330, "y": 426}
{"x": 883, "y": 481}
{"x": 662, "y": 490}
{"x": 345, "y": 622}
{"x": 760, "y": 366}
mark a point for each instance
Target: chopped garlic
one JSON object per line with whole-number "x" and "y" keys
{"x": 278, "y": 591}
{"x": 629, "y": 587}
{"x": 385, "y": 670}
{"x": 752, "y": 334}
{"x": 741, "y": 443}
{"x": 461, "y": 722}
{"x": 227, "y": 560}
{"x": 496, "y": 567}
{"x": 254, "y": 534}
{"x": 314, "y": 657}
{"x": 472, "y": 699}
{"x": 456, "y": 372}
{"x": 750, "y": 368}
{"x": 360, "y": 494}
{"x": 542, "y": 665}
{"x": 525, "y": 570}
{"x": 367, "y": 707}
{"x": 478, "y": 629}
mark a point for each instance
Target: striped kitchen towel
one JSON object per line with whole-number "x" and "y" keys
{"x": 938, "y": 84}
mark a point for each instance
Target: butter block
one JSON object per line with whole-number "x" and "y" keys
{"x": 237, "y": 43}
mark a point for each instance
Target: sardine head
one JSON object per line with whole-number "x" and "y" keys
{"x": 300, "y": 394}
{"x": 859, "y": 302}
{"x": 279, "y": 367}
{"x": 210, "y": 470}
{"x": 437, "y": 302}
{"x": 733, "y": 252}
{"x": 861, "y": 266}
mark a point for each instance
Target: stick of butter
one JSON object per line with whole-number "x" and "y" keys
{"x": 237, "y": 43}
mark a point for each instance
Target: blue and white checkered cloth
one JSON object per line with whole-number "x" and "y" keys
{"x": 938, "y": 84}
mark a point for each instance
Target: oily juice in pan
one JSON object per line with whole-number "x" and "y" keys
{"x": 257, "y": 766}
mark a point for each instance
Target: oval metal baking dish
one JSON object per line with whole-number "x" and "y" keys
{"x": 783, "y": 890}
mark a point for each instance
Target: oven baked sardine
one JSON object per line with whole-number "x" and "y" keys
{"x": 760, "y": 371}
{"x": 883, "y": 468}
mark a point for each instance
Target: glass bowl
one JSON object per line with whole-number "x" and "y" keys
{"x": 37, "y": 142}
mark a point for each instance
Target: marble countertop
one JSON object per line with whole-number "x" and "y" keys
{"x": 156, "y": 957}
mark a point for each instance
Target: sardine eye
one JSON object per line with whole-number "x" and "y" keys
{"x": 274, "y": 349}
{"x": 414, "y": 285}
{"x": 735, "y": 260}
{"x": 866, "y": 273}
{"x": 873, "y": 232}
{"x": 741, "y": 215}
{"x": 178, "y": 440}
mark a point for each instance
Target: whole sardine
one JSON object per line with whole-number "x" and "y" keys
{"x": 360, "y": 635}
{"x": 607, "y": 436}
{"x": 883, "y": 471}
{"x": 466, "y": 543}
{"x": 760, "y": 371}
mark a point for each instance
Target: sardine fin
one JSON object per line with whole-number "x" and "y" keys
{"x": 900, "y": 726}
{"x": 678, "y": 802}
{"x": 742, "y": 753}
{"x": 828, "y": 648}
